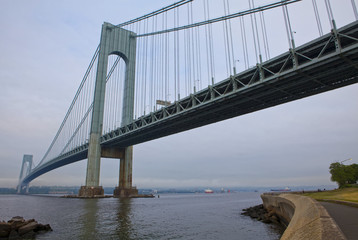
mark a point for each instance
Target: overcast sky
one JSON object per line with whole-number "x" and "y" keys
{"x": 45, "y": 48}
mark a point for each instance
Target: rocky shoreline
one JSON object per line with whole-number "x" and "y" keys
{"x": 261, "y": 214}
{"x": 19, "y": 228}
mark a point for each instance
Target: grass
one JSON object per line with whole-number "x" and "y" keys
{"x": 345, "y": 194}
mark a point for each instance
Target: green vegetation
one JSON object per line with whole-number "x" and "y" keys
{"x": 344, "y": 175}
{"x": 345, "y": 194}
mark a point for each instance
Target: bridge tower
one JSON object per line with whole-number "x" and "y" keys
{"x": 26, "y": 163}
{"x": 121, "y": 42}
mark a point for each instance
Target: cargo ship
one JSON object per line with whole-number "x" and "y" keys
{"x": 286, "y": 189}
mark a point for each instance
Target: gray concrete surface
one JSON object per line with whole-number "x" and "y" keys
{"x": 346, "y": 218}
{"x": 307, "y": 218}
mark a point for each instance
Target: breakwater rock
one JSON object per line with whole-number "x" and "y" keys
{"x": 19, "y": 228}
{"x": 261, "y": 214}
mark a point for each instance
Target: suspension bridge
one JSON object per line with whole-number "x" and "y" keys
{"x": 182, "y": 67}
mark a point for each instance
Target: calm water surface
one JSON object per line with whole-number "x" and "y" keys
{"x": 172, "y": 216}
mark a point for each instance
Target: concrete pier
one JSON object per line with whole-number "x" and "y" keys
{"x": 125, "y": 188}
{"x": 91, "y": 191}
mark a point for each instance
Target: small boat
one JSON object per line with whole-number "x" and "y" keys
{"x": 209, "y": 191}
{"x": 286, "y": 189}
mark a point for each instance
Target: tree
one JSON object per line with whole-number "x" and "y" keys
{"x": 344, "y": 174}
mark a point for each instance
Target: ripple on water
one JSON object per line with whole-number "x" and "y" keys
{"x": 172, "y": 216}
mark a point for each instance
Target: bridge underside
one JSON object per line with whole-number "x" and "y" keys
{"x": 71, "y": 157}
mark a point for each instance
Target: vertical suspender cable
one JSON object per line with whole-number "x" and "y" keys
{"x": 210, "y": 44}
{"x": 157, "y": 59}
{"x": 120, "y": 83}
{"x": 291, "y": 41}
{"x": 113, "y": 103}
{"x": 178, "y": 56}
{"x": 257, "y": 34}
{"x": 71, "y": 106}
{"x": 226, "y": 42}
{"x": 166, "y": 69}
{"x": 152, "y": 67}
{"x": 198, "y": 53}
{"x": 194, "y": 57}
{"x": 318, "y": 19}
{"x": 186, "y": 56}
{"x": 115, "y": 98}
{"x": 207, "y": 41}
{"x": 330, "y": 14}
{"x": 162, "y": 60}
{"x": 354, "y": 9}
{"x": 211, "y": 49}
{"x": 137, "y": 73}
{"x": 231, "y": 38}
{"x": 287, "y": 30}
{"x": 145, "y": 73}
{"x": 264, "y": 35}
{"x": 175, "y": 56}
{"x": 244, "y": 42}
{"x": 253, "y": 32}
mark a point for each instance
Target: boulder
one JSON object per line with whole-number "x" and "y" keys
{"x": 5, "y": 229}
{"x": 31, "y": 226}
{"x": 19, "y": 228}
{"x": 16, "y": 219}
{"x": 14, "y": 235}
{"x": 41, "y": 227}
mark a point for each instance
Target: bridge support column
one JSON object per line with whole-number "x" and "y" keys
{"x": 92, "y": 188}
{"x": 120, "y": 42}
{"x": 25, "y": 170}
{"x": 125, "y": 188}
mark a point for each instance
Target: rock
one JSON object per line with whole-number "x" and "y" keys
{"x": 267, "y": 220}
{"x": 14, "y": 235}
{"x": 19, "y": 228}
{"x": 29, "y": 235}
{"x": 16, "y": 219}
{"x": 27, "y": 228}
{"x": 5, "y": 229}
{"x": 261, "y": 214}
{"x": 41, "y": 227}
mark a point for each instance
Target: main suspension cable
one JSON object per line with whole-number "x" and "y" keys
{"x": 219, "y": 19}
{"x": 152, "y": 14}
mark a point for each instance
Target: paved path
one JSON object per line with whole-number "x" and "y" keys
{"x": 346, "y": 218}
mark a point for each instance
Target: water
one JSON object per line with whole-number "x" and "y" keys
{"x": 172, "y": 216}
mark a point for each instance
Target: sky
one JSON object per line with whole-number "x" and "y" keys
{"x": 45, "y": 49}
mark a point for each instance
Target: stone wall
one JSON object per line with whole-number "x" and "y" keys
{"x": 305, "y": 217}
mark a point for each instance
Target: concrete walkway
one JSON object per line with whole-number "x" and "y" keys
{"x": 346, "y": 218}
